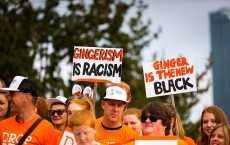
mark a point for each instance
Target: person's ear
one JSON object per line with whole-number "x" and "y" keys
{"x": 28, "y": 97}
{"x": 102, "y": 104}
{"x": 129, "y": 98}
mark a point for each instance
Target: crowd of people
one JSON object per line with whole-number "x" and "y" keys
{"x": 27, "y": 118}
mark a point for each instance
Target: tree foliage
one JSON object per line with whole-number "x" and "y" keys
{"x": 36, "y": 38}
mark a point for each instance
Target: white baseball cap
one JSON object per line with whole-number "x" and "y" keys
{"x": 22, "y": 84}
{"x": 76, "y": 88}
{"x": 14, "y": 86}
{"x": 60, "y": 99}
{"x": 116, "y": 93}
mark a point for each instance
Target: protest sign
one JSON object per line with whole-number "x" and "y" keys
{"x": 95, "y": 64}
{"x": 156, "y": 140}
{"x": 67, "y": 139}
{"x": 171, "y": 76}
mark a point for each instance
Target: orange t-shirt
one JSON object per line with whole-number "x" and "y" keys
{"x": 99, "y": 120}
{"x": 68, "y": 129}
{"x": 11, "y": 132}
{"x": 120, "y": 136}
{"x": 58, "y": 134}
{"x": 181, "y": 142}
{"x": 189, "y": 141}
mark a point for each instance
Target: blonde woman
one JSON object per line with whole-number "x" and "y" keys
{"x": 132, "y": 118}
{"x": 220, "y": 135}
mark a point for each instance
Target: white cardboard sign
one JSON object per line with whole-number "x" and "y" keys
{"x": 171, "y": 76}
{"x": 156, "y": 140}
{"x": 68, "y": 139}
{"x": 96, "y": 64}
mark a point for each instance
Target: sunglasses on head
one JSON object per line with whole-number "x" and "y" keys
{"x": 152, "y": 118}
{"x": 74, "y": 97}
{"x": 59, "y": 112}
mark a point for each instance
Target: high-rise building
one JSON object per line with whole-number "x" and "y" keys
{"x": 220, "y": 43}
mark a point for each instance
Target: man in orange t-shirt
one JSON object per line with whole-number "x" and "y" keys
{"x": 23, "y": 96}
{"x": 110, "y": 130}
{"x": 126, "y": 88}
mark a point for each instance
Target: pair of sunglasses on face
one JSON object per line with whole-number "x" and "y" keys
{"x": 59, "y": 112}
{"x": 152, "y": 118}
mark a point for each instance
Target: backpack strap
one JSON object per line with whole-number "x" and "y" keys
{"x": 32, "y": 127}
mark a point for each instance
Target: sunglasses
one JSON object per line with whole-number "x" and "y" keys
{"x": 74, "y": 97}
{"x": 152, "y": 118}
{"x": 3, "y": 92}
{"x": 59, "y": 112}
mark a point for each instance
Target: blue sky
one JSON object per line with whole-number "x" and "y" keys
{"x": 185, "y": 32}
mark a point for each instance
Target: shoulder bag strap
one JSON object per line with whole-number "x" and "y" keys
{"x": 32, "y": 127}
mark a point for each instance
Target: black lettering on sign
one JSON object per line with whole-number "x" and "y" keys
{"x": 157, "y": 88}
{"x": 173, "y": 85}
{"x": 76, "y": 68}
{"x": 100, "y": 68}
{"x": 86, "y": 68}
{"x": 186, "y": 83}
{"x": 109, "y": 70}
{"x": 93, "y": 69}
{"x": 117, "y": 69}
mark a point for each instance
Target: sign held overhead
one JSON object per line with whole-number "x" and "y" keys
{"x": 95, "y": 64}
{"x": 171, "y": 76}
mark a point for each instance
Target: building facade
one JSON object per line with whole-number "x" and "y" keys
{"x": 220, "y": 44}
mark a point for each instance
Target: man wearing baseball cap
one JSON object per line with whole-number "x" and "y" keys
{"x": 58, "y": 112}
{"x": 23, "y": 96}
{"x": 111, "y": 130}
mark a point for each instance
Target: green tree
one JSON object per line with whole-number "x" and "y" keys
{"x": 17, "y": 56}
{"x": 36, "y": 38}
{"x": 104, "y": 25}
{"x": 26, "y": 34}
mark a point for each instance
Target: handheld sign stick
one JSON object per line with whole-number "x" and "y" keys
{"x": 168, "y": 77}
{"x": 94, "y": 94}
{"x": 173, "y": 103}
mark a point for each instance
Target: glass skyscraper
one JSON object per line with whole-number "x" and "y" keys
{"x": 220, "y": 43}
